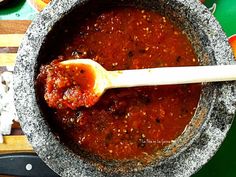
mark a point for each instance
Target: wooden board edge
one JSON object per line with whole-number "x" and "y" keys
{"x": 7, "y": 59}
{"x": 16, "y": 143}
{"x": 10, "y": 40}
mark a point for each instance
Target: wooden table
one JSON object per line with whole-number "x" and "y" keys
{"x": 11, "y": 34}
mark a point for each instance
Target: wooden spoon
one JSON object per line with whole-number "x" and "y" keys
{"x": 104, "y": 79}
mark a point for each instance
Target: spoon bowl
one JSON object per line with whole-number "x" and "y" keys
{"x": 101, "y": 82}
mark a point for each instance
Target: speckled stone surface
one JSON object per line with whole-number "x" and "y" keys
{"x": 204, "y": 134}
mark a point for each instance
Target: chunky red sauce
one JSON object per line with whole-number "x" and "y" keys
{"x": 68, "y": 86}
{"x": 131, "y": 122}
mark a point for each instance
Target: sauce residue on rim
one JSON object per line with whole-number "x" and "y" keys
{"x": 129, "y": 123}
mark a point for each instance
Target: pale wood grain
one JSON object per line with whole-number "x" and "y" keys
{"x": 14, "y": 26}
{"x": 15, "y": 144}
{"x": 10, "y": 40}
{"x": 7, "y": 59}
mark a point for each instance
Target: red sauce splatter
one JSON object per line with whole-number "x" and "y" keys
{"x": 232, "y": 42}
{"x": 130, "y": 123}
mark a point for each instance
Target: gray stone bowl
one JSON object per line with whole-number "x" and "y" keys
{"x": 188, "y": 153}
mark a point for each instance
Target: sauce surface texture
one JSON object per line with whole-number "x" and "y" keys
{"x": 129, "y": 123}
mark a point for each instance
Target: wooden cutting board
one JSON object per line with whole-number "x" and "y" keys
{"x": 11, "y": 34}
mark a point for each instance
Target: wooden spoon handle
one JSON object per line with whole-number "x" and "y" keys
{"x": 171, "y": 75}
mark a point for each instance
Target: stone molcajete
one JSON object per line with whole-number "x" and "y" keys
{"x": 190, "y": 151}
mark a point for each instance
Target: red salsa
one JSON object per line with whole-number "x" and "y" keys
{"x": 126, "y": 123}
{"x": 68, "y": 86}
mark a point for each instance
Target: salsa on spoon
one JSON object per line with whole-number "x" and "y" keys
{"x": 80, "y": 82}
